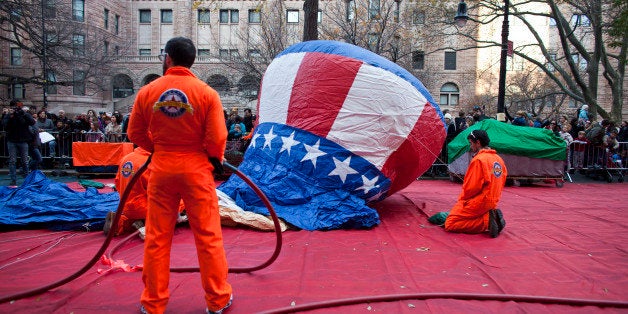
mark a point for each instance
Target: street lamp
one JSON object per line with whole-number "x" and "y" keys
{"x": 461, "y": 19}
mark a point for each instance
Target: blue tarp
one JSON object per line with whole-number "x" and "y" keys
{"x": 41, "y": 202}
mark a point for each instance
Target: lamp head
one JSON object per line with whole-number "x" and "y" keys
{"x": 461, "y": 15}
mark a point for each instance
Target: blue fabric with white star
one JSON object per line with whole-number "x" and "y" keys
{"x": 312, "y": 183}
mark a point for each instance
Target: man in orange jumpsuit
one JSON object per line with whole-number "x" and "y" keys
{"x": 475, "y": 211}
{"x": 180, "y": 119}
{"x": 135, "y": 207}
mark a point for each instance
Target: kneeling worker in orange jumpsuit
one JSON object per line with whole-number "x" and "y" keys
{"x": 180, "y": 119}
{"x": 135, "y": 207}
{"x": 475, "y": 211}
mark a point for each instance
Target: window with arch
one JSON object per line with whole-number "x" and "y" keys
{"x": 219, "y": 82}
{"x": 149, "y": 78}
{"x": 449, "y": 94}
{"x": 122, "y": 86}
{"x": 248, "y": 86}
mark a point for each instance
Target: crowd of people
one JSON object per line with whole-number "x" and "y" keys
{"x": 62, "y": 130}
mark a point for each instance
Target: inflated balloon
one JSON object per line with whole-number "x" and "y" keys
{"x": 339, "y": 126}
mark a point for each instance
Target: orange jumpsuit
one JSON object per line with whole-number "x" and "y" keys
{"x": 135, "y": 206}
{"x": 180, "y": 119}
{"x": 481, "y": 190}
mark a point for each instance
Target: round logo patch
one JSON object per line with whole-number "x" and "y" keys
{"x": 497, "y": 169}
{"x": 127, "y": 169}
{"x": 173, "y": 103}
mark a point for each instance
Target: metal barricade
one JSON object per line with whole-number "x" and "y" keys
{"x": 598, "y": 161}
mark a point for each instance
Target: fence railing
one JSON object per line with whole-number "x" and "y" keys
{"x": 581, "y": 157}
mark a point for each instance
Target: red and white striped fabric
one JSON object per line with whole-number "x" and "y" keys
{"x": 364, "y": 103}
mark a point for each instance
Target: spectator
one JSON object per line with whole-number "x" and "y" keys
{"x": 63, "y": 137}
{"x": 478, "y": 114}
{"x": 450, "y": 127}
{"x": 34, "y": 147}
{"x": 94, "y": 134}
{"x": 236, "y": 132}
{"x": 113, "y": 130}
{"x": 469, "y": 121}
{"x": 43, "y": 124}
{"x": 580, "y": 145}
{"x": 460, "y": 122}
{"x": 17, "y": 124}
{"x": 520, "y": 118}
{"x": 566, "y": 136}
{"x": 248, "y": 120}
{"x": 583, "y": 115}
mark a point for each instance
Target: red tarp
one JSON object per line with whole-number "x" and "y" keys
{"x": 568, "y": 242}
{"x": 99, "y": 154}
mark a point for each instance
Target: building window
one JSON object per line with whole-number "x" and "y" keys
{"x": 255, "y": 17}
{"x": 397, "y": 11}
{"x": 450, "y": 60}
{"x": 580, "y": 20}
{"x": 292, "y": 16}
{"x": 116, "y": 50}
{"x": 49, "y": 9}
{"x": 145, "y": 16}
{"x": 418, "y": 17}
{"x": 203, "y": 16}
{"x": 549, "y": 65}
{"x": 254, "y": 54}
{"x": 552, "y": 21}
{"x": 449, "y": 94}
{"x": 144, "y": 52}
{"x": 350, "y": 10}
{"x": 374, "y": 7}
{"x": 319, "y": 16}
{"x": 117, "y": 24}
{"x": 78, "y": 10}
{"x": 78, "y": 87}
{"x": 372, "y": 41}
{"x": 228, "y": 54}
{"x": 166, "y": 16}
{"x": 16, "y": 56}
{"x": 203, "y": 53}
{"x": 106, "y": 18}
{"x": 229, "y": 16}
{"x": 106, "y": 48}
{"x": 580, "y": 61}
{"x": 51, "y": 86}
{"x": 18, "y": 91}
{"x": 51, "y": 37}
{"x": 78, "y": 44}
{"x": 418, "y": 59}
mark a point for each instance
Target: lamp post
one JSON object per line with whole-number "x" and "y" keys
{"x": 461, "y": 19}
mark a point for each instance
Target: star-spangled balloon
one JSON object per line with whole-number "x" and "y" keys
{"x": 338, "y": 127}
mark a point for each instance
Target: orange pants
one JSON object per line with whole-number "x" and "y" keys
{"x": 197, "y": 189}
{"x": 466, "y": 220}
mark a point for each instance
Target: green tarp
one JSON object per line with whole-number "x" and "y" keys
{"x": 513, "y": 140}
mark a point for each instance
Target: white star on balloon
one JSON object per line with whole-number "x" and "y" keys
{"x": 313, "y": 153}
{"x": 268, "y": 137}
{"x": 254, "y": 139}
{"x": 288, "y": 142}
{"x": 368, "y": 185}
{"x": 342, "y": 169}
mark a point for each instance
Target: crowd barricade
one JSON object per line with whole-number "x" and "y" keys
{"x": 599, "y": 162}
{"x": 591, "y": 160}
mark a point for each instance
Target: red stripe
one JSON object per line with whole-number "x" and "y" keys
{"x": 320, "y": 88}
{"x": 417, "y": 153}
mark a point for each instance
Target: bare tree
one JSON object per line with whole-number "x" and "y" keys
{"x": 584, "y": 52}
{"x": 65, "y": 49}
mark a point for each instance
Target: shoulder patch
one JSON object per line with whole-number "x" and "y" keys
{"x": 497, "y": 169}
